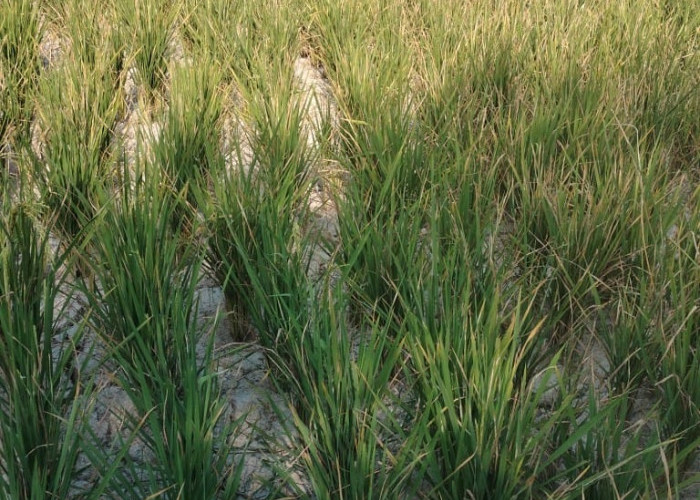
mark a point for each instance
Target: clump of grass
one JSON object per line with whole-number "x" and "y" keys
{"x": 476, "y": 427}
{"x": 148, "y": 33}
{"x": 380, "y": 252}
{"x": 676, "y": 337}
{"x": 133, "y": 229}
{"x": 41, "y": 401}
{"x": 627, "y": 335}
{"x": 96, "y": 40}
{"x": 245, "y": 40}
{"x": 146, "y": 309}
{"x": 610, "y": 460}
{"x": 340, "y": 389}
{"x": 256, "y": 247}
{"x": 628, "y": 319}
{"x": 77, "y": 113}
{"x": 20, "y": 30}
{"x": 188, "y": 147}
{"x": 363, "y": 50}
{"x": 381, "y": 207}
{"x": 587, "y": 237}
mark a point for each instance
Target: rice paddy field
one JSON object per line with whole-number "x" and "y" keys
{"x": 377, "y": 249}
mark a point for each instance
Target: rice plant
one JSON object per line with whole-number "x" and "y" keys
{"x": 351, "y": 440}
{"x": 245, "y": 40}
{"x": 20, "y": 31}
{"x": 78, "y": 109}
{"x": 257, "y": 248}
{"x": 145, "y": 308}
{"x": 93, "y": 36}
{"x": 188, "y": 146}
{"x": 612, "y": 460}
{"x": 148, "y": 33}
{"x": 468, "y": 365}
{"x": 676, "y": 338}
{"x": 42, "y": 394}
